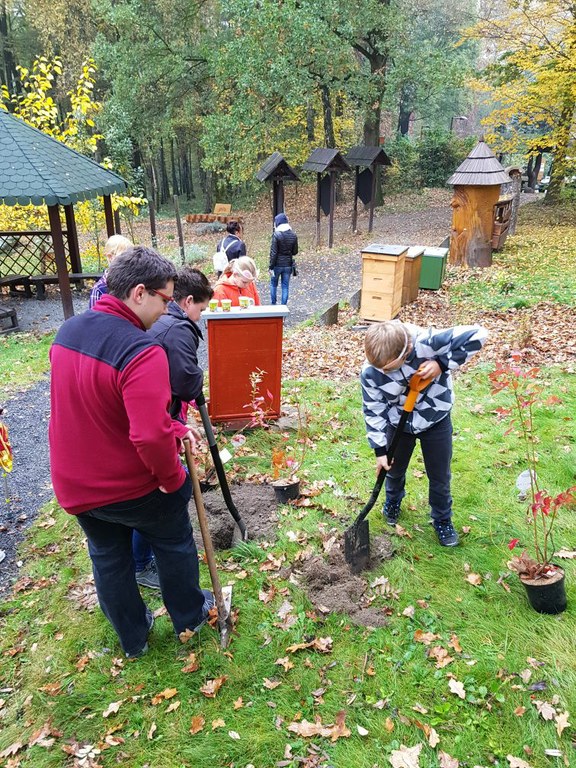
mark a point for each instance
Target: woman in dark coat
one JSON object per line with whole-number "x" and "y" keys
{"x": 282, "y": 251}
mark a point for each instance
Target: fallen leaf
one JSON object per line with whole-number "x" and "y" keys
{"x": 196, "y": 724}
{"x": 271, "y": 684}
{"x": 173, "y": 706}
{"x": 455, "y": 643}
{"x": 219, "y": 723}
{"x": 239, "y": 703}
{"x": 211, "y": 687}
{"x": 420, "y": 708}
{"x": 167, "y": 693}
{"x": 517, "y": 762}
{"x": 474, "y": 578}
{"x": 447, "y": 761}
{"x": 457, "y": 687}
{"x": 192, "y": 663}
{"x": 285, "y": 662}
{"x": 406, "y": 757}
{"x": 13, "y": 749}
{"x": 112, "y": 708}
{"x": 562, "y": 722}
{"x": 389, "y": 724}
{"x": 362, "y": 731}
{"x": 151, "y": 731}
{"x": 545, "y": 710}
{"x": 409, "y": 611}
{"x": 519, "y": 711}
{"x": 425, "y": 637}
{"x": 234, "y": 735}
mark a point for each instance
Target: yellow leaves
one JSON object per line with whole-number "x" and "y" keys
{"x": 168, "y": 693}
{"x": 335, "y": 731}
{"x": 321, "y": 644}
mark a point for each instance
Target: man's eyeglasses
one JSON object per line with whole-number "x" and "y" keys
{"x": 166, "y": 299}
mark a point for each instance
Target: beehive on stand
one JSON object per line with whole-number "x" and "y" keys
{"x": 476, "y": 191}
{"x": 382, "y": 280}
{"x": 412, "y": 268}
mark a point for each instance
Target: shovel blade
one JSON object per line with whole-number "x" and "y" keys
{"x": 357, "y": 546}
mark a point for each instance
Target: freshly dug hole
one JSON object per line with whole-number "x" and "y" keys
{"x": 332, "y": 588}
{"x": 256, "y": 505}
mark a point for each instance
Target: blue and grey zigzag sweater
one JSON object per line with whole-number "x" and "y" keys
{"x": 384, "y": 393}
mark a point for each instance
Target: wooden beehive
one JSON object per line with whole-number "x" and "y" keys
{"x": 412, "y": 267}
{"x": 382, "y": 280}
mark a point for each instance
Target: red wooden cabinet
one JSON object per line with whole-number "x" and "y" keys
{"x": 239, "y": 342}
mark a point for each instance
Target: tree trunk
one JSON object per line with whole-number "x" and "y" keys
{"x": 329, "y": 137}
{"x": 310, "y": 116}
{"x": 9, "y": 73}
{"x": 175, "y": 184}
{"x": 164, "y": 183}
{"x": 533, "y": 170}
{"x": 559, "y": 163}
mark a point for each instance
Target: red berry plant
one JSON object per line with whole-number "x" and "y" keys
{"x": 526, "y": 389}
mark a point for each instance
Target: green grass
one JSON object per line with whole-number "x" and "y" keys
{"x": 376, "y": 676}
{"x": 23, "y": 360}
{"x": 536, "y": 265}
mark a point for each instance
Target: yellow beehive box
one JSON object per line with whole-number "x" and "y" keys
{"x": 382, "y": 281}
{"x": 412, "y": 267}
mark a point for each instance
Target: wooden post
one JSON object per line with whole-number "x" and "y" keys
{"x": 472, "y": 224}
{"x": 109, "y": 216}
{"x": 72, "y": 236}
{"x": 318, "y": 181}
{"x": 373, "y": 168}
{"x": 356, "y": 190}
{"x": 117, "y": 225}
{"x": 179, "y": 228}
{"x": 516, "y": 177}
{"x": 277, "y": 196}
{"x": 332, "y": 206}
{"x": 60, "y": 256}
{"x": 152, "y": 211}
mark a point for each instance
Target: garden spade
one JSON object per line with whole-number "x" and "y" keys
{"x": 240, "y": 533}
{"x": 224, "y": 611}
{"x": 357, "y": 537}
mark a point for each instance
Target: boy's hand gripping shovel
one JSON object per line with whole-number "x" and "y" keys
{"x": 357, "y": 537}
{"x": 224, "y": 616}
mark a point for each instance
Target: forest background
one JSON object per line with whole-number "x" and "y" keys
{"x": 188, "y": 98}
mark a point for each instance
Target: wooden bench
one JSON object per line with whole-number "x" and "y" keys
{"x": 8, "y": 314}
{"x": 77, "y": 278}
{"x": 12, "y": 281}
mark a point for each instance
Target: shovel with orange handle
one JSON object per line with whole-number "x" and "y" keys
{"x": 357, "y": 537}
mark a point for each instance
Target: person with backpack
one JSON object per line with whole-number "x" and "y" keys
{"x": 282, "y": 251}
{"x": 232, "y": 245}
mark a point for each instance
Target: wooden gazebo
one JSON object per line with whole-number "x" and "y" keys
{"x": 277, "y": 170}
{"x": 368, "y": 158}
{"x": 476, "y": 191}
{"x": 328, "y": 162}
{"x": 36, "y": 169}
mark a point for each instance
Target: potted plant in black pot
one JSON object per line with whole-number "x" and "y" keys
{"x": 542, "y": 578}
{"x": 286, "y": 464}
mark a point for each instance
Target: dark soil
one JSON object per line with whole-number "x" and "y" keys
{"x": 331, "y": 587}
{"x": 256, "y": 505}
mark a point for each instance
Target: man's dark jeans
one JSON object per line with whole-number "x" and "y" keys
{"x": 163, "y": 521}
{"x": 436, "y": 444}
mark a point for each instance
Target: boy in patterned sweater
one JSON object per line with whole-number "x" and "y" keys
{"x": 395, "y": 351}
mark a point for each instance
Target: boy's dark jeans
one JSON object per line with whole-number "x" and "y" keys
{"x": 436, "y": 445}
{"x": 163, "y": 521}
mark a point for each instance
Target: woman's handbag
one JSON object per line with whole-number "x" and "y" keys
{"x": 294, "y": 269}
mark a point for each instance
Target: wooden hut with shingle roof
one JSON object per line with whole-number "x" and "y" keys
{"x": 476, "y": 191}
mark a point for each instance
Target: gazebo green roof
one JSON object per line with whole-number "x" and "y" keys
{"x": 37, "y": 169}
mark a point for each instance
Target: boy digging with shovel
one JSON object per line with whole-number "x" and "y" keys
{"x": 394, "y": 352}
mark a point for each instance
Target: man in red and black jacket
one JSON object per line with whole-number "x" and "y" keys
{"x": 114, "y": 448}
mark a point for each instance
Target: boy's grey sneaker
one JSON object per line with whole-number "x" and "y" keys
{"x": 391, "y": 511}
{"x": 209, "y": 603}
{"x": 148, "y": 577}
{"x": 447, "y": 535}
{"x": 144, "y": 649}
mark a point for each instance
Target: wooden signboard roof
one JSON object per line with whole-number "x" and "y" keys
{"x": 323, "y": 159}
{"x": 365, "y": 156}
{"x": 39, "y": 170}
{"x": 276, "y": 167}
{"x": 480, "y": 169}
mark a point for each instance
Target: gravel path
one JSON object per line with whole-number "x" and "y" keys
{"x": 324, "y": 278}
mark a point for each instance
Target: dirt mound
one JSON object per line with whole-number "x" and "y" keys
{"x": 256, "y": 505}
{"x": 332, "y": 588}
